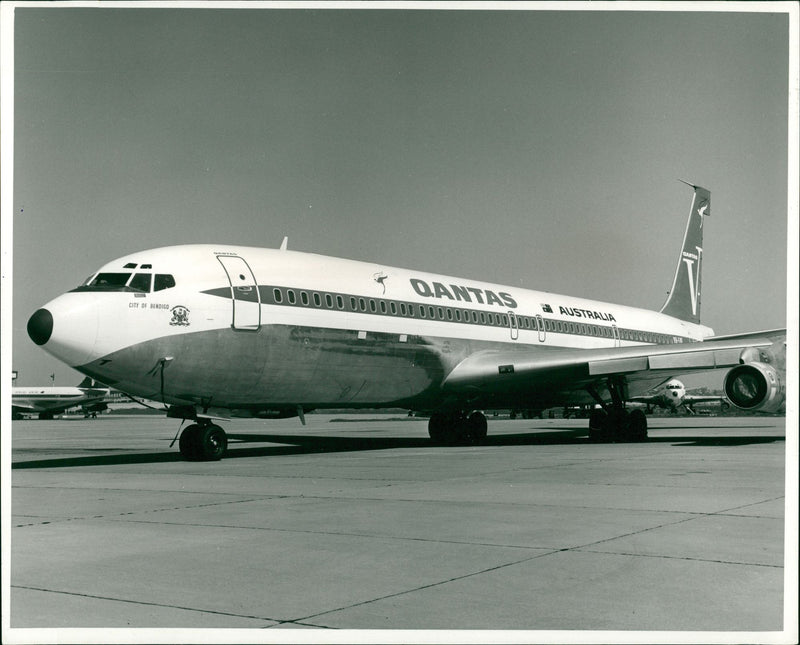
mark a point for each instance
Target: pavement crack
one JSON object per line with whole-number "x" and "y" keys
{"x": 679, "y": 557}
{"x": 145, "y": 603}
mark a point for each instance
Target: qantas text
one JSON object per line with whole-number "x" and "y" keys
{"x": 465, "y": 294}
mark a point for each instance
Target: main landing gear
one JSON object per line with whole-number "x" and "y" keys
{"x": 614, "y": 422}
{"x": 455, "y": 427}
{"x": 203, "y": 441}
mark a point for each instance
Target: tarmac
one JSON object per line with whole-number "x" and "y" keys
{"x": 356, "y": 522}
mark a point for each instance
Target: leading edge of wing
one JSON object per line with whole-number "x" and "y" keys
{"x": 493, "y": 370}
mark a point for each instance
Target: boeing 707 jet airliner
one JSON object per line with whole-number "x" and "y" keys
{"x": 219, "y": 330}
{"x": 674, "y": 395}
{"x": 49, "y": 401}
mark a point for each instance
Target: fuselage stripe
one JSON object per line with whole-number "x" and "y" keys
{"x": 282, "y": 296}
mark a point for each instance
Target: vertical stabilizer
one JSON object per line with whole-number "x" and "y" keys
{"x": 684, "y": 297}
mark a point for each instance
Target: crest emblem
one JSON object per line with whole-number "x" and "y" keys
{"x": 180, "y": 316}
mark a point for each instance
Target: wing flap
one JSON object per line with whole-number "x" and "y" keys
{"x": 618, "y": 366}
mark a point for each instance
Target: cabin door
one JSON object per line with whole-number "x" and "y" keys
{"x": 513, "y": 324}
{"x": 541, "y": 328}
{"x": 245, "y": 299}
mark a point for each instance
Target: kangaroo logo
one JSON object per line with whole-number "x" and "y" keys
{"x": 702, "y": 212}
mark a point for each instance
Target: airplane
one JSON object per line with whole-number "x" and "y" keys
{"x": 216, "y": 331}
{"x": 49, "y": 401}
{"x": 674, "y": 395}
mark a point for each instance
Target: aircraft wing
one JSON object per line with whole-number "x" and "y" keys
{"x": 649, "y": 400}
{"x": 25, "y": 406}
{"x": 691, "y": 399}
{"x": 491, "y": 372}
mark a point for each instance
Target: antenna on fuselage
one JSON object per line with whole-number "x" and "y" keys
{"x": 285, "y": 243}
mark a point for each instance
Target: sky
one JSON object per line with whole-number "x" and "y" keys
{"x": 537, "y": 149}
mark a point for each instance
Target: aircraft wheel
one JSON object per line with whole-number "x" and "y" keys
{"x": 188, "y": 443}
{"x": 440, "y": 427}
{"x": 478, "y": 426}
{"x": 598, "y": 426}
{"x": 212, "y": 442}
{"x": 637, "y": 426}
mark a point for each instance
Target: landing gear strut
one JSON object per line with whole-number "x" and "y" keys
{"x": 203, "y": 442}
{"x": 450, "y": 428}
{"x": 615, "y": 423}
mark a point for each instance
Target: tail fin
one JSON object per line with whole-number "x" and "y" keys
{"x": 683, "y": 300}
{"x": 87, "y": 382}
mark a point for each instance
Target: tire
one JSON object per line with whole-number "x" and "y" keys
{"x": 598, "y": 426}
{"x": 437, "y": 427}
{"x": 188, "y": 442}
{"x": 637, "y": 426}
{"x": 212, "y": 442}
{"x": 478, "y": 426}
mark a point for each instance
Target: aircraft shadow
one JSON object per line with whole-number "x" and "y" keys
{"x": 309, "y": 444}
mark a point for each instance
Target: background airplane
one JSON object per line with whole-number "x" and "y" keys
{"x": 673, "y": 395}
{"x": 49, "y": 401}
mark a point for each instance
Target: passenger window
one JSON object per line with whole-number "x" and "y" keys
{"x": 329, "y": 301}
{"x": 278, "y": 295}
{"x": 163, "y": 281}
{"x": 304, "y": 297}
{"x": 402, "y": 308}
{"x": 383, "y": 307}
{"x": 393, "y": 307}
{"x": 141, "y": 282}
{"x": 292, "y": 298}
{"x": 317, "y": 300}
{"x": 340, "y": 302}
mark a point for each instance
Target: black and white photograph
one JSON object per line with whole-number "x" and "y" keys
{"x": 399, "y": 322}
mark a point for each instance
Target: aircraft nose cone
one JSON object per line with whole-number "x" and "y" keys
{"x": 40, "y": 326}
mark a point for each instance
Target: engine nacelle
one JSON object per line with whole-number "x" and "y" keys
{"x": 755, "y": 386}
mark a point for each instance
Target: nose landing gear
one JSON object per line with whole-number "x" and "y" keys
{"x": 203, "y": 441}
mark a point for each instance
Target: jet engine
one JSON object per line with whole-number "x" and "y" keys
{"x": 755, "y": 386}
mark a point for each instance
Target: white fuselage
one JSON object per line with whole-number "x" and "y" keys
{"x": 252, "y": 329}
{"x": 42, "y": 399}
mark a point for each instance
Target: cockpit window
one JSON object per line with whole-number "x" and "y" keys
{"x": 141, "y": 282}
{"x": 110, "y": 280}
{"x": 163, "y": 281}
